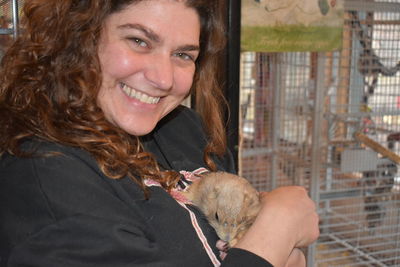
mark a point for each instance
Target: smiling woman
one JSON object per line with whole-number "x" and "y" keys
{"x": 95, "y": 148}
{"x": 148, "y": 63}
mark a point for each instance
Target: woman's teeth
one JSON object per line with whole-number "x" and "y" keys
{"x": 139, "y": 96}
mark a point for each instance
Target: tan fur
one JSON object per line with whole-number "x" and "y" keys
{"x": 228, "y": 201}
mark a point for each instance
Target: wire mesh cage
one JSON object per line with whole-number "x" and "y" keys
{"x": 331, "y": 122}
{"x": 9, "y": 22}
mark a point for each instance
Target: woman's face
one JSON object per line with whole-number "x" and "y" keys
{"x": 147, "y": 54}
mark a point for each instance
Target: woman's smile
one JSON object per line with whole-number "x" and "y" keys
{"x": 142, "y": 97}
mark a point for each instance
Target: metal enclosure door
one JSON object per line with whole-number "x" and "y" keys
{"x": 331, "y": 122}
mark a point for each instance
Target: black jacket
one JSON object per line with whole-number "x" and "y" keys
{"x": 62, "y": 210}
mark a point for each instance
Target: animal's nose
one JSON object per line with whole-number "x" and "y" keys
{"x": 227, "y": 237}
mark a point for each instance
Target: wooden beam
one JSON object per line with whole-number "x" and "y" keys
{"x": 377, "y": 147}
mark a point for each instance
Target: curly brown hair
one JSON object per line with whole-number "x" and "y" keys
{"x": 51, "y": 75}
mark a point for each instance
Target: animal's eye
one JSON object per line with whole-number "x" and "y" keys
{"x": 216, "y": 216}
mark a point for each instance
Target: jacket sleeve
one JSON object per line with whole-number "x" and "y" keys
{"x": 59, "y": 211}
{"x": 84, "y": 240}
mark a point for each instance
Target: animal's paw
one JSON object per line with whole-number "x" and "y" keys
{"x": 223, "y": 247}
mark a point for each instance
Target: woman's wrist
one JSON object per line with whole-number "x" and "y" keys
{"x": 271, "y": 240}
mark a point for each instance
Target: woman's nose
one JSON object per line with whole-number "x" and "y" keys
{"x": 160, "y": 72}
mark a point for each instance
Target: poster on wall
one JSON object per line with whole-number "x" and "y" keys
{"x": 291, "y": 25}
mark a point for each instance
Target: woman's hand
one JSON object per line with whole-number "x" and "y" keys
{"x": 296, "y": 259}
{"x": 291, "y": 207}
{"x": 287, "y": 219}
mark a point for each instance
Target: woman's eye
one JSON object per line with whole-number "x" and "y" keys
{"x": 185, "y": 56}
{"x": 138, "y": 42}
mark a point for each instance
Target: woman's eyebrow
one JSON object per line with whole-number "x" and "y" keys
{"x": 154, "y": 36}
{"x": 189, "y": 48}
{"x": 146, "y": 31}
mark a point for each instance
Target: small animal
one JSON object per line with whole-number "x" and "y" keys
{"x": 228, "y": 201}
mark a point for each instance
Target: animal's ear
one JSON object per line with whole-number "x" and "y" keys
{"x": 248, "y": 198}
{"x": 252, "y": 202}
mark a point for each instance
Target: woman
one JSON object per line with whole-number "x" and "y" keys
{"x": 93, "y": 139}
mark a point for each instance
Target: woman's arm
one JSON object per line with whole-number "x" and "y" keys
{"x": 60, "y": 211}
{"x": 287, "y": 220}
